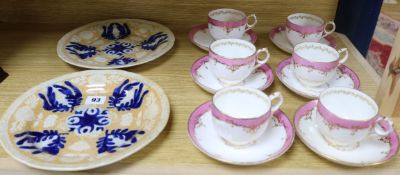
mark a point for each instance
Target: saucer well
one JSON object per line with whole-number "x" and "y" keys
{"x": 371, "y": 151}
{"x": 273, "y": 143}
{"x": 84, "y": 120}
{"x": 115, "y": 43}
{"x": 345, "y": 77}
{"x": 200, "y": 36}
{"x": 278, "y": 37}
{"x": 202, "y": 74}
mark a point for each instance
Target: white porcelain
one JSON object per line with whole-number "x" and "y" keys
{"x": 241, "y": 114}
{"x": 316, "y": 63}
{"x": 278, "y": 36}
{"x": 344, "y": 77}
{"x": 202, "y": 75}
{"x": 229, "y": 23}
{"x": 273, "y": 143}
{"x": 201, "y": 37}
{"x": 233, "y": 60}
{"x": 302, "y": 27}
{"x": 347, "y": 116}
{"x": 371, "y": 151}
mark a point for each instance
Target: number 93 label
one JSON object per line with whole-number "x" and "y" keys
{"x": 97, "y": 100}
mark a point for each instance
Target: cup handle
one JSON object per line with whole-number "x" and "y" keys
{"x": 383, "y": 126}
{"x": 262, "y": 61}
{"x": 326, "y": 33}
{"x": 346, "y": 55}
{"x": 279, "y": 103}
{"x": 250, "y": 26}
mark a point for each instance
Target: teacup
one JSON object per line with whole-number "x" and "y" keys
{"x": 241, "y": 114}
{"x": 233, "y": 60}
{"x": 315, "y": 63}
{"x": 229, "y": 23}
{"x": 347, "y": 116}
{"x": 303, "y": 27}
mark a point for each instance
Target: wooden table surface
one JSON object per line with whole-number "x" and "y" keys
{"x": 28, "y": 54}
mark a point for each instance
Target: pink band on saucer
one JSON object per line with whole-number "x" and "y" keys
{"x": 248, "y": 123}
{"x": 230, "y": 24}
{"x": 304, "y": 29}
{"x": 349, "y": 124}
{"x": 322, "y": 66}
{"x": 281, "y": 116}
{"x": 232, "y": 62}
{"x": 352, "y": 75}
{"x": 394, "y": 140}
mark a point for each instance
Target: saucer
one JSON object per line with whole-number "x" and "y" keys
{"x": 84, "y": 120}
{"x": 273, "y": 143}
{"x": 278, "y": 37}
{"x": 115, "y": 43}
{"x": 260, "y": 79}
{"x": 371, "y": 151}
{"x": 345, "y": 77}
{"x": 200, "y": 36}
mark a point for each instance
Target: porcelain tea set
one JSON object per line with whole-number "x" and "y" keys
{"x": 242, "y": 125}
{"x": 93, "y": 118}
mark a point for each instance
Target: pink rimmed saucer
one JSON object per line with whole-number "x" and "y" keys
{"x": 200, "y": 36}
{"x": 371, "y": 151}
{"x": 345, "y": 77}
{"x": 276, "y": 140}
{"x": 260, "y": 79}
{"x": 278, "y": 37}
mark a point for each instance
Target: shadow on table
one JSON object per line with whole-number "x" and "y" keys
{"x": 3, "y": 75}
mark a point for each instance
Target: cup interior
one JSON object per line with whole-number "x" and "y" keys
{"x": 226, "y": 15}
{"x": 349, "y": 104}
{"x": 304, "y": 19}
{"x": 233, "y": 48}
{"x": 242, "y": 102}
{"x": 316, "y": 52}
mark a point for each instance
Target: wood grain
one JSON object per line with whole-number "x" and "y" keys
{"x": 176, "y": 14}
{"x": 28, "y": 54}
{"x": 392, "y": 10}
{"x": 388, "y": 94}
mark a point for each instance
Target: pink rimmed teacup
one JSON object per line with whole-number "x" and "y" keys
{"x": 241, "y": 114}
{"x": 303, "y": 27}
{"x": 347, "y": 116}
{"x": 316, "y": 63}
{"x": 229, "y": 23}
{"x": 233, "y": 60}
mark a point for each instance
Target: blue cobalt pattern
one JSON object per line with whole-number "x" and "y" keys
{"x": 48, "y": 141}
{"x": 88, "y": 121}
{"x": 80, "y": 50}
{"x": 73, "y": 97}
{"x": 115, "y": 31}
{"x": 121, "y": 61}
{"x": 120, "y": 93}
{"x": 154, "y": 41}
{"x": 117, "y": 139}
{"x": 119, "y": 48}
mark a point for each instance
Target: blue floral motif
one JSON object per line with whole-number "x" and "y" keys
{"x": 73, "y": 97}
{"x": 117, "y": 139}
{"x": 48, "y": 141}
{"x": 119, "y": 48}
{"x": 154, "y": 41}
{"x": 115, "y": 31}
{"x": 88, "y": 121}
{"x": 121, "y": 61}
{"x": 80, "y": 50}
{"x": 120, "y": 93}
